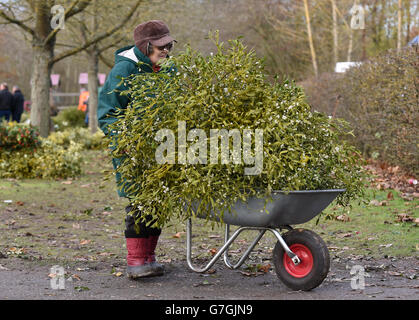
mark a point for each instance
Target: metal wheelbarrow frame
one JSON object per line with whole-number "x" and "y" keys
{"x": 286, "y": 209}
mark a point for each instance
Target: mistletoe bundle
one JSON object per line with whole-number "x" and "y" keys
{"x": 214, "y": 129}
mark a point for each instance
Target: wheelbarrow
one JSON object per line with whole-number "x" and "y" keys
{"x": 300, "y": 256}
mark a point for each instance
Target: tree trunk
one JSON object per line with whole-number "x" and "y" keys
{"x": 349, "y": 58}
{"x": 92, "y": 75}
{"x": 381, "y": 22}
{"x": 68, "y": 76}
{"x": 335, "y": 33}
{"x": 40, "y": 88}
{"x": 399, "y": 26}
{"x": 374, "y": 23}
{"x": 364, "y": 39}
{"x": 93, "y": 87}
{"x": 40, "y": 79}
{"x": 407, "y": 7}
{"x": 310, "y": 39}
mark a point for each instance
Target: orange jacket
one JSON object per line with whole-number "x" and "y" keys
{"x": 83, "y": 97}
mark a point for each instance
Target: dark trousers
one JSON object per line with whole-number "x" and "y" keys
{"x": 17, "y": 116}
{"x": 5, "y": 114}
{"x": 141, "y": 230}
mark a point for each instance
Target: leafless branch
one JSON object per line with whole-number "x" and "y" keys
{"x": 70, "y": 11}
{"x": 98, "y": 38}
{"x": 16, "y": 22}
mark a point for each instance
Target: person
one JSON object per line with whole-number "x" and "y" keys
{"x": 53, "y": 110}
{"x": 6, "y": 102}
{"x": 18, "y": 102}
{"x": 152, "y": 43}
{"x": 84, "y": 95}
{"x": 86, "y": 111}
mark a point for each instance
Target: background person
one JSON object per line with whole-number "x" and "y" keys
{"x": 18, "y": 102}
{"x": 6, "y": 102}
{"x": 53, "y": 110}
{"x": 84, "y": 95}
{"x": 86, "y": 118}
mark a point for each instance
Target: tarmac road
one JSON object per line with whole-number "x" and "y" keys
{"x": 384, "y": 279}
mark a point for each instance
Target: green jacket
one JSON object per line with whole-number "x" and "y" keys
{"x": 126, "y": 60}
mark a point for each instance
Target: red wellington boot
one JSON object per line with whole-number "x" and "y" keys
{"x": 158, "y": 269}
{"x": 138, "y": 266}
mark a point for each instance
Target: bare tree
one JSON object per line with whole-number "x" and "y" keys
{"x": 399, "y": 25}
{"x": 35, "y": 17}
{"x": 335, "y": 32}
{"x": 310, "y": 38}
{"x": 408, "y": 20}
{"x": 350, "y": 34}
{"x": 43, "y": 36}
{"x": 364, "y": 39}
{"x": 88, "y": 29}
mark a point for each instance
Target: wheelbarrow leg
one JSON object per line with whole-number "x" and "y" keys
{"x": 217, "y": 255}
{"x": 262, "y": 231}
{"x": 223, "y": 249}
{"x": 228, "y": 242}
{"x": 246, "y": 254}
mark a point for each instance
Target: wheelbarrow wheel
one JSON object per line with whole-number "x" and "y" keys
{"x": 314, "y": 257}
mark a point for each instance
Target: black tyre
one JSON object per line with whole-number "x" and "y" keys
{"x": 314, "y": 256}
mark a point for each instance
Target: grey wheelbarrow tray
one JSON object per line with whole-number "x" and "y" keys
{"x": 287, "y": 208}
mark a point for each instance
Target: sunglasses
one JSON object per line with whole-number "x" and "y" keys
{"x": 168, "y": 47}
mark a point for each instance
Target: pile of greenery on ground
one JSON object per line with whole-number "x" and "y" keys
{"x": 301, "y": 150}
{"x": 23, "y": 154}
{"x": 14, "y": 137}
{"x": 69, "y": 118}
{"x": 380, "y": 100}
{"x": 81, "y": 136}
